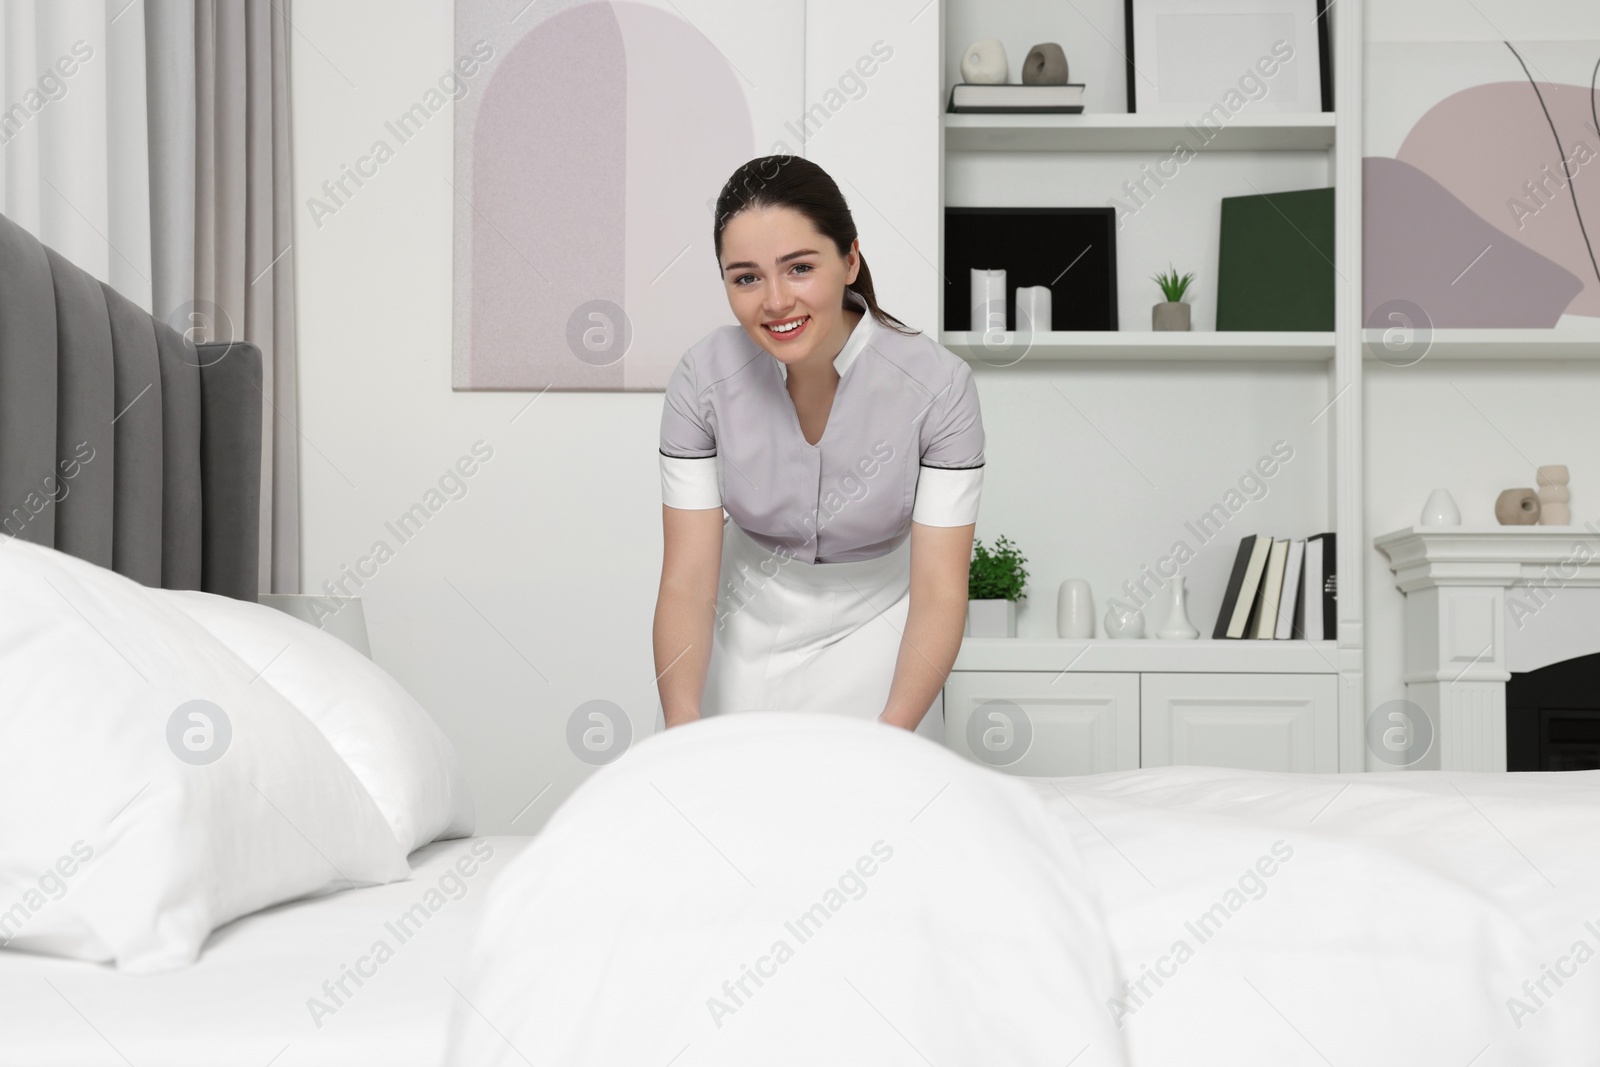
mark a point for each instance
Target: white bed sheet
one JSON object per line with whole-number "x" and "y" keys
{"x": 246, "y": 1001}
{"x": 1401, "y": 930}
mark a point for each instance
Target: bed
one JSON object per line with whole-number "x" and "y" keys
{"x": 199, "y": 868}
{"x": 225, "y": 837}
{"x": 278, "y": 986}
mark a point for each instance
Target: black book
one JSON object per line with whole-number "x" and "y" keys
{"x": 1244, "y": 588}
{"x": 1330, "y": 585}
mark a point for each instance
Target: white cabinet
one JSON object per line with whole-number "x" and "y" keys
{"x": 1044, "y": 723}
{"x": 1049, "y": 723}
{"x": 1264, "y": 722}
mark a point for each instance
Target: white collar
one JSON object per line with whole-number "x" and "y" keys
{"x": 853, "y": 344}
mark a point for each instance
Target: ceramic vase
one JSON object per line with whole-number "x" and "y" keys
{"x": 1554, "y": 495}
{"x": 1517, "y": 507}
{"x": 1074, "y": 609}
{"x": 1124, "y": 620}
{"x": 1441, "y": 510}
{"x": 1177, "y": 627}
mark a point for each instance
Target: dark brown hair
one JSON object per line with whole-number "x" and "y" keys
{"x": 798, "y": 183}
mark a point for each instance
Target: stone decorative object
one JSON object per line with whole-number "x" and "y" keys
{"x": 1046, "y": 64}
{"x": 1177, "y": 627}
{"x": 1553, "y": 496}
{"x": 1440, "y": 510}
{"x": 984, "y": 63}
{"x": 1124, "y": 620}
{"x": 1074, "y": 609}
{"x": 1169, "y": 315}
{"x": 1517, "y": 507}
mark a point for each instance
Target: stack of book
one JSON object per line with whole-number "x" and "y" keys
{"x": 1281, "y": 589}
{"x": 1016, "y": 99}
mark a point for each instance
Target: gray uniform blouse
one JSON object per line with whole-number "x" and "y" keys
{"x": 903, "y": 443}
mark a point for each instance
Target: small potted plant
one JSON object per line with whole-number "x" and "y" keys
{"x": 994, "y": 584}
{"x": 1174, "y": 313}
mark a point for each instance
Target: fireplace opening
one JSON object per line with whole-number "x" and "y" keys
{"x": 1553, "y": 717}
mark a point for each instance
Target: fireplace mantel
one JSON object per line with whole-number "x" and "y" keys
{"x": 1457, "y": 580}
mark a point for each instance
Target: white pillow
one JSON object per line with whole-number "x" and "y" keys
{"x": 118, "y": 840}
{"x": 386, "y": 738}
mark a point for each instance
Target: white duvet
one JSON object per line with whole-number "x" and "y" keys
{"x": 1408, "y": 919}
{"x": 790, "y": 889}
{"x": 1178, "y": 917}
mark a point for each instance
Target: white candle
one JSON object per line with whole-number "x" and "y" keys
{"x": 1033, "y": 309}
{"x": 988, "y": 300}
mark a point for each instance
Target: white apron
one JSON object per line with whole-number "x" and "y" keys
{"x": 820, "y": 637}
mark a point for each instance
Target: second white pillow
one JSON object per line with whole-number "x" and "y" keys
{"x": 390, "y": 743}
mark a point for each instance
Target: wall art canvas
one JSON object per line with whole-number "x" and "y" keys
{"x": 1481, "y": 185}
{"x": 591, "y": 141}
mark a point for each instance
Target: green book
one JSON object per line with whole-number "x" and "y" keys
{"x": 1275, "y": 265}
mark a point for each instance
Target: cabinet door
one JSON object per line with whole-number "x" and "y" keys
{"x": 1267, "y": 722}
{"x": 1044, "y": 723}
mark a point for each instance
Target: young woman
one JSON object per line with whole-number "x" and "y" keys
{"x": 847, "y": 453}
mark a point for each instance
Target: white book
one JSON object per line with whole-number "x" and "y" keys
{"x": 1291, "y": 589}
{"x": 1250, "y": 588}
{"x": 1311, "y": 590}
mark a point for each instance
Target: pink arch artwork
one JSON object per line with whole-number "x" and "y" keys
{"x": 584, "y": 255}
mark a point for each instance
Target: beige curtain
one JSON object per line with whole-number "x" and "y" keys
{"x": 243, "y": 213}
{"x": 148, "y": 142}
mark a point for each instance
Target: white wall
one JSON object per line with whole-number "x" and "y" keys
{"x": 1472, "y": 428}
{"x": 534, "y": 592}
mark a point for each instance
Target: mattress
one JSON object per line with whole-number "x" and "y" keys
{"x": 355, "y": 977}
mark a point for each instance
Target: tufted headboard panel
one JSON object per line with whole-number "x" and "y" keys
{"x": 121, "y": 441}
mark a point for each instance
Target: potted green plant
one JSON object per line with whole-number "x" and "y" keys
{"x": 994, "y": 585}
{"x": 1174, "y": 313}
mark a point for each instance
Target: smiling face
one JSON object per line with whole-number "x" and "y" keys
{"x": 780, "y": 271}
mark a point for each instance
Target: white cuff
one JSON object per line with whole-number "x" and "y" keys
{"x": 947, "y": 497}
{"x": 690, "y": 483}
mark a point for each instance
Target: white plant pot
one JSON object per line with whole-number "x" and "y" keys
{"x": 992, "y": 618}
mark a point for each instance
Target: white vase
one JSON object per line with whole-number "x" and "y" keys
{"x": 1074, "y": 609}
{"x": 1441, "y": 510}
{"x": 1124, "y": 620}
{"x": 1177, "y": 627}
{"x": 996, "y": 617}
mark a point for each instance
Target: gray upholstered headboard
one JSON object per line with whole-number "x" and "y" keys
{"x": 121, "y": 441}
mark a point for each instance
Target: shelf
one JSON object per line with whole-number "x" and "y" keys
{"x": 1486, "y": 344}
{"x": 1134, "y": 133}
{"x": 1141, "y": 655}
{"x": 1140, "y": 345}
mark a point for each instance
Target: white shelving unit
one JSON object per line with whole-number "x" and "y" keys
{"x": 1007, "y": 347}
{"x": 1481, "y": 344}
{"x": 1107, "y": 654}
{"x": 1096, "y": 704}
{"x": 1133, "y": 133}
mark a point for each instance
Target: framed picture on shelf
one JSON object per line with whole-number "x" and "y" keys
{"x": 1208, "y": 60}
{"x": 1070, "y": 250}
